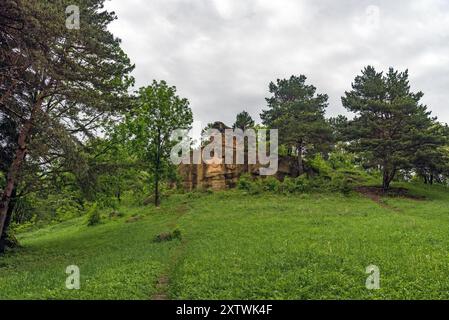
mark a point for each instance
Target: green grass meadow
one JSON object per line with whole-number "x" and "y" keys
{"x": 240, "y": 246}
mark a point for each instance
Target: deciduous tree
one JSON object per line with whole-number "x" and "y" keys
{"x": 156, "y": 113}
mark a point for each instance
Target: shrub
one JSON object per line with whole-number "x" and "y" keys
{"x": 252, "y": 186}
{"x": 67, "y": 209}
{"x": 255, "y": 187}
{"x": 302, "y": 184}
{"x": 320, "y": 183}
{"x": 341, "y": 183}
{"x": 345, "y": 180}
{"x": 206, "y": 190}
{"x": 244, "y": 182}
{"x": 328, "y": 179}
{"x": 319, "y": 165}
{"x": 339, "y": 159}
{"x": 148, "y": 200}
{"x": 271, "y": 184}
{"x": 115, "y": 214}
{"x": 11, "y": 241}
{"x": 168, "y": 236}
{"x": 93, "y": 215}
{"x": 287, "y": 186}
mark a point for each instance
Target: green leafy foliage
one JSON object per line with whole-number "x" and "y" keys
{"x": 338, "y": 173}
{"x": 156, "y": 113}
{"x": 93, "y": 215}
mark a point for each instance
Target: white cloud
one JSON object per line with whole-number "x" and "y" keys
{"x": 221, "y": 54}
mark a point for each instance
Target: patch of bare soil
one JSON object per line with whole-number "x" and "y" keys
{"x": 376, "y": 194}
{"x": 392, "y": 192}
{"x": 162, "y": 284}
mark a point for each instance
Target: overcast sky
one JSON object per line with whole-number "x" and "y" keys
{"x": 222, "y": 54}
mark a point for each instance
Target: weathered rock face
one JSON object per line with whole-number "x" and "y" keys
{"x": 214, "y": 174}
{"x": 222, "y": 176}
{"x": 217, "y": 175}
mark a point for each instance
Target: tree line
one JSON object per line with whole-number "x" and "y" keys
{"x": 72, "y": 133}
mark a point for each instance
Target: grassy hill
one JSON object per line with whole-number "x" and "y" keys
{"x": 239, "y": 246}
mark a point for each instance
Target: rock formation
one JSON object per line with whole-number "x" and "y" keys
{"x": 217, "y": 175}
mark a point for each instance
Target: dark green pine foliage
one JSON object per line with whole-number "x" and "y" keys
{"x": 58, "y": 85}
{"x": 243, "y": 121}
{"x": 297, "y": 111}
{"x": 390, "y": 124}
{"x": 431, "y": 162}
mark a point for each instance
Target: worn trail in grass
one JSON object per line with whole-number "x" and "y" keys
{"x": 236, "y": 246}
{"x": 163, "y": 281}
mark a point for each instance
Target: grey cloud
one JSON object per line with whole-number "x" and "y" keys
{"x": 221, "y": 54}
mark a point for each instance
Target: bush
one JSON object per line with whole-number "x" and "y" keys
{"x": 341, "y": 183}
{"x": 115, "y": 214}
{"x": 206, "y": 190}
{"x": 319, "y": 165}
{"x": 93, "y": 215}
{"x": 244, "y": 182}
{"x": 148, "y": 200}
{"x": 11, "y": 241}
{"x": 326, "y": 178}
{"x": 271, "y": 184}
{"x": 295, "y": 185}
{"x": 67, "y": 209}
{"x": 287, "y": 186}
{"x": 339, "y": 159}
{"x": 252, "y": 186}
{"x": 106, "y": 201}
{"x": 344, "y": 181}
{"x": 168, "y": 236}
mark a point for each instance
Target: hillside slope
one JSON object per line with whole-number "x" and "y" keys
{"x": 236, "y": 246}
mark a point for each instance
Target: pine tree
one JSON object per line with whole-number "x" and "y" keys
{"x": 298, "y": 113}
{"x": 243, "y": 121}
{"x": 390, "y": 123}
{"x": 431, "y": 162}
{"x": 58, "y": 84}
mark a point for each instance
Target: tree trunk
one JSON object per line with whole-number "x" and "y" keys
{"x": 388, "y": 177}
{"x": 431, "y": 179}
{"x": 385, "y": 181}
{"x": 16, "y": 165}
{"x": 300, "y": 161}
{"x": 4, "y": 236}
